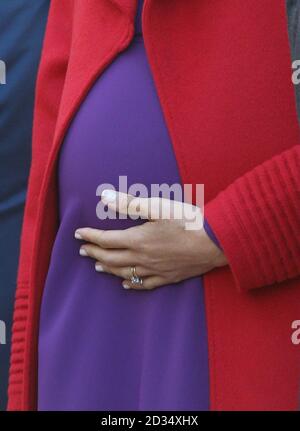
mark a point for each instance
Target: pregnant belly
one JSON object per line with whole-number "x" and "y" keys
{"x": 123, "y": 349}
{"x": 119, "y": 132}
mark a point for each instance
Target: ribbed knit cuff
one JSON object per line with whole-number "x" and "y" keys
{"x": 257, "y": 221}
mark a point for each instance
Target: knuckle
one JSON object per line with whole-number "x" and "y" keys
{"x": 89, "y": 249}
{"x": 91, "y": 235}
{"x": 141, "y": 240}
{"x": 153, "y": 261}
{"x": 141, "y": 248}
{"x": 108, "y": 259}
{"x": 100, "y": 237}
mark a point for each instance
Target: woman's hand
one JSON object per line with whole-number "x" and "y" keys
{"x": 167, "y": 249}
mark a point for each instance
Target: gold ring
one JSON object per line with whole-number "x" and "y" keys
{"x": 135, "y": 279}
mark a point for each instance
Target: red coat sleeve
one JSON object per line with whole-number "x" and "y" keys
{"x": 257, "y": 221}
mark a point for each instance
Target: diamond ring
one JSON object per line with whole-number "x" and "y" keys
{"x": 135, "y": 279}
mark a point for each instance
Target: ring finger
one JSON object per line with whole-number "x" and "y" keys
{"x": 123, "y": 272}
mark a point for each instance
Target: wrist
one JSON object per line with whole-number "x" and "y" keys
{"x": 213, "y": 247}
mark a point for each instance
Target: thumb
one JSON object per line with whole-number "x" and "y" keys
{"x": 154, "y": 208}
{"x": 130, "y": 205}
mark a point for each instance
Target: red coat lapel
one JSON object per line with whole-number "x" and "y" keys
{"x": 95, "y": 43}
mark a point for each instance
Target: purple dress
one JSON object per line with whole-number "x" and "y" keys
{"x": 102, "y": 347}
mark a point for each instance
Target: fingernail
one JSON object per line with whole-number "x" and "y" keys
{"x": 98, "y": 267}
{"x": 108, "y": 195}
{"x": 77, "y": 235}
{"x": 82, "y": 252}
{"x": 126, "y": 286}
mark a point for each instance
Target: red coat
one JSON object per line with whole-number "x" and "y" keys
{"x": 223, "y": 75}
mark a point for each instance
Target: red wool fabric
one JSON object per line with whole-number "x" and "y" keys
{"x": 257, "y": 221}
{"x": 223, "y": 75}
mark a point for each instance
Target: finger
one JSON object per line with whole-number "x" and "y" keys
{"x": 149, "y": 283}
{"x": 154, "y": 208}
{"x": 123, "y": 203}
{"x": 123, "y": 272}
{"x": 106, "y": 256}
{"x": 105, "y": 238}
